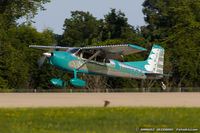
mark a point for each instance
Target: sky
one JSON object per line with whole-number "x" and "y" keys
{"x": 58, "y": 10}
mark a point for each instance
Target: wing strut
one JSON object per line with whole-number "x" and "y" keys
{"x": 92, "y": 57}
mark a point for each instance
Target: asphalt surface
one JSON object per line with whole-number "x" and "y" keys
{"x": 98, "y": 99}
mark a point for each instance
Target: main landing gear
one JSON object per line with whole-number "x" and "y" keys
{"x": 58, "y": 82}
{"x": 75, "y": 81}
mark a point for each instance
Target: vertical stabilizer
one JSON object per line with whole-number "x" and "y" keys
{"x": 155, "y": 61}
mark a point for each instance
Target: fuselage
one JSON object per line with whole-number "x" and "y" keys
{"x": 69, "y": 62}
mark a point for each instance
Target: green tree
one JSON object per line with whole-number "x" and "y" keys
{"x": 80, "y": 29}
{"x": 19, "y": 62}
{"x": 175, "y": 24}
{"x": 116, "y": 26}
{"x": 15, "y": 56}
{"x": 12, "y": 10}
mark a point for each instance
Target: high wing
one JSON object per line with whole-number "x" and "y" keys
{"x": 49, "y": 47}
{"x": 111, "y": 51}
{"x": 117, "y": 51}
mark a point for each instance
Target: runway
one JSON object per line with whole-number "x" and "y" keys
{"x": 97, "y": 99}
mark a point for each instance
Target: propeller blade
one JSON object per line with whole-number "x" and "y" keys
{"x": 41, "y": 61}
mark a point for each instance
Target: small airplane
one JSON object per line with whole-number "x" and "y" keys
{"x": 102, "y": 60}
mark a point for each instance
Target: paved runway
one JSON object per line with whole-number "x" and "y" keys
{"x": 97, "y": 99}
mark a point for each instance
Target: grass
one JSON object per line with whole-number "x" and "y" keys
{"x": 95, "y": 120}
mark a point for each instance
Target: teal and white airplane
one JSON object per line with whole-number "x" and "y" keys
{"x": 102, "y": 60}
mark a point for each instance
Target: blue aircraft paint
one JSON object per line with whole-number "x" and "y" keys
{"x": 137, "y": 47}
{"x": 77, "y": 82}
{"x": 156, "y": 46}
{"x": 61, "y": 60}
{"x": 141, "y": 64}
{"x": 138, "y": 64}
{"x": 58, "y": 82}
{"x": 117, "y": 51}
{"x": 69, "y": 61}
{"x": 131, "y": 71}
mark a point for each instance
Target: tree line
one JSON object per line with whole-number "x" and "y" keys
{"x": 174, "y": 25}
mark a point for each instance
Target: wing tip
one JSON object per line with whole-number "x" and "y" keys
{"x": 137, "y": 47}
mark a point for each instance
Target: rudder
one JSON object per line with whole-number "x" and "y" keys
{"x": 155, "y": 60}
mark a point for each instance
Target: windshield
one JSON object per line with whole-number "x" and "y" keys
{"x": 74, "y": 50}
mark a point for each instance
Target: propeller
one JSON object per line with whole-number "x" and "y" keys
{"x": 48, "y": 54}
{"x": 42, "y": 59}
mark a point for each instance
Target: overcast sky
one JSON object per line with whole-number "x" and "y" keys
{"x": 58, "y": 10}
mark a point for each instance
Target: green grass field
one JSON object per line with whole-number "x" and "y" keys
{"x": 95, "y": 120}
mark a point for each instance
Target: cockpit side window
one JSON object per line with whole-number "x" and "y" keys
{"x": 87, "y": 54}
